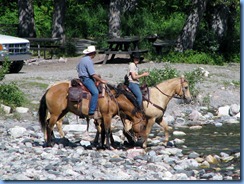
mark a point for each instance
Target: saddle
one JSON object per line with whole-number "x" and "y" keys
{"x": 78, "y": 91}
{"x": 144, "y": 90}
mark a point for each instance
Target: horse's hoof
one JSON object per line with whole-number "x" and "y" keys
{"x": 111, "y": 148}
{"x": 169, "y": 144}
{"x": 108, "y": 147}
{"x": 48, "y": 144}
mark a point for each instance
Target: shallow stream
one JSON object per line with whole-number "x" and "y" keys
{"x": 210, "y": 140}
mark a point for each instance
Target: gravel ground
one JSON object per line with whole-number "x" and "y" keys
{"x": 23, "y": 157}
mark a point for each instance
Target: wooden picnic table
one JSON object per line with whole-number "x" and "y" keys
{"x": 161, "y": 45}
{"x": 125, "y": 45}
{"x": 45, "y": 44}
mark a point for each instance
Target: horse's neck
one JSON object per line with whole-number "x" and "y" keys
{"x": 125, "y": 105}
{"x": 167, "y": 88}
{"x": 163, "y": 93}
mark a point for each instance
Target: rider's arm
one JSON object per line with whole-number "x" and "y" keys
{"x": 96, "y": 77}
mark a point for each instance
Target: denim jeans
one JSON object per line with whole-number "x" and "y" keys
{"x": 89, "y": 83}
{"x": 135, "y": 88}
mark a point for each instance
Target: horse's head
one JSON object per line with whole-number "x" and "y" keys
{"x": 184, "y": 91}
{"x": 139, "y": 122}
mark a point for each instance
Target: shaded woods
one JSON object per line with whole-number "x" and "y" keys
{"x": 211, "y": 29}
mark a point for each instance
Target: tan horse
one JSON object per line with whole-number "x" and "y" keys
{"x": 155, "y": 103}
{"x": 55, "y": 101}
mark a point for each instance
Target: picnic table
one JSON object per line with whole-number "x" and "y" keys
{"x": 161, "y": 45}
{"x": 125, "y": 45}
{"x": 45, "y": 44}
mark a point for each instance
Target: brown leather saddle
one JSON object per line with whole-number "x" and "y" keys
{"x": 77, "y": 91}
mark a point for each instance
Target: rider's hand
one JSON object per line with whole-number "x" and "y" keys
{"x": 104, "y": 81}
{"x": 146, "y": 74}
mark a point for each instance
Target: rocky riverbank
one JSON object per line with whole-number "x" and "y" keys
{"x": 23, "y": 157}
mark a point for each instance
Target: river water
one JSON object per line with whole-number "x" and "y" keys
{"x": 213, "y": 140}
{"x": 210, "y": 140}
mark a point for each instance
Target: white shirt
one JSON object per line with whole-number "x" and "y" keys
{"x": 133, "y": 68}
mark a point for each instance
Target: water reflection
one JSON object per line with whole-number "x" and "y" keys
{"x": 211, "y": 139}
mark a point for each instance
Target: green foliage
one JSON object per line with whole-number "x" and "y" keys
{"x": 43, "y": 20}
{"x": 11, "y": 95}
{"x": 194, "y": 57}
{"x": 87, "y": 22}
{"x": 206, "y": 101}
{"x": 194, "y": 77}
{"x": 70, "y": 49}
{"x": 9, "y": 16}
{"x": 158, "y": 75}
{"x": 144, "y": 23}
{"x": 4, "y": 69}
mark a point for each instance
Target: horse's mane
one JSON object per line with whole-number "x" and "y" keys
{"x": 129, "y": 96}
{"x": 111, "y": 86}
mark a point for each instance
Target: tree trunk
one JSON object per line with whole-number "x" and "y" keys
{"x": 223, "y": 25}
{"x": 26, "y": 19}
{"x": 58, "y": 19}
{"x": 186, "y": 39}
{"x": 116, "y": 8}
{"x": 114, "y": 19}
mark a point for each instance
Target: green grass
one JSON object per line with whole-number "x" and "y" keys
{"x": 34, "y": 85}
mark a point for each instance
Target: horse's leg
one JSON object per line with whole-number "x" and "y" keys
{"x": 165, "y": 127}
{"x": 98, "y": 133}
{"x": 107, "y": 128}
{"x": 59, "y": 127}
{"x": 111, "y": 138}
{"x": 148, "y": 130}
{"x": 51, "y": 123}
{"x": 46, "y": 134}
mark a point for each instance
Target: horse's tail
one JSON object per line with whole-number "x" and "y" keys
{"x": 43, "y": 112}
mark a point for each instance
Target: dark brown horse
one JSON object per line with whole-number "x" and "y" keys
{"x": 55, "y": 102}
{"x": 157, "y": 99}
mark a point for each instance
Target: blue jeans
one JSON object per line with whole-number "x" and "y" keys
{"x": 89, "y": 83}
{"x": 135, "y": 88}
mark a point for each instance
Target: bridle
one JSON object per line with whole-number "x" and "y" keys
{"x": 182, "y": 80}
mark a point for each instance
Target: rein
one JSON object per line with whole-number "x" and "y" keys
{"x": 112, "y": 97}
{"x": 173, "y": 96}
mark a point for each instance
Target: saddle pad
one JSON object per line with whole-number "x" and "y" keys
{"x": 75, "y": 94}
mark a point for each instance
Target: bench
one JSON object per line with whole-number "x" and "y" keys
{"x": 124, "y": 52}
{"x": 44, "y": 48}
{"x": 45, "y": 44}
{"x": 112, "y": 52}
{"x": 163, "y": 45}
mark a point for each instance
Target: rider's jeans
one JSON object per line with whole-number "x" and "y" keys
{"x": 89, "y": 83}
{"x": 135, "y": 88}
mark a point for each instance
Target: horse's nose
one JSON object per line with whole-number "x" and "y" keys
{"x": 187, "y": 100}
{"x": 140, "y": 141}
